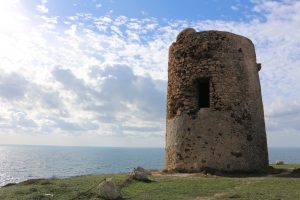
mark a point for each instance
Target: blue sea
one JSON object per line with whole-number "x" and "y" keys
{"x": 19, "y": 163}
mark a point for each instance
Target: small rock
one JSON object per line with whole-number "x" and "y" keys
{"x": 109, "y": 190}
{"x": 143, "y": 170}
{"x": 140, "y": 174}
{"x": 279, "y": 162}
{"x": 258, "y": 66}
{"x": 48, "y": 195}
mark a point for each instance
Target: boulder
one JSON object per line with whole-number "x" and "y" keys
{"x": 143, "y": 170}
{"x": 140, "y": 174}
{"x": 279, "y": 162}
{"x": 109, "y": 189}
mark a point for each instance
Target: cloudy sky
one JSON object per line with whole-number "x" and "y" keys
{"x": 94, "y": 72}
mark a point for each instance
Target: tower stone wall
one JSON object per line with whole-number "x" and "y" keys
{"x": 228, "y": 132}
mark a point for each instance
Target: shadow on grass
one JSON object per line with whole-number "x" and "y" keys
{"x": 271, "y": 172}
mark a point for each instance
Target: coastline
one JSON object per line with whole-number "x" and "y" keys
{"x": 163, "y": 186}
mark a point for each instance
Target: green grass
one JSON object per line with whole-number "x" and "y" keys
{"x": 162, "y": 188}
{"x": 270, "y": 188}
{"x": 179, "y": 188}
{"x": 286, "y": 166}
{"x": 60, "y": 188}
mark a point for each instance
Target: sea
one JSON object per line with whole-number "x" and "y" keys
{"x": 19, "y": 162}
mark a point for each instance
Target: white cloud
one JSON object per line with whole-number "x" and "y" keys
{"x": 12, "y": 86}
{"x": 42, "y": 7}
{"x": 235, "y": 8}
{"x": 105, "y": 77}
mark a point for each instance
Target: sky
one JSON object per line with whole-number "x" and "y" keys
{"x": 94, "y": 72}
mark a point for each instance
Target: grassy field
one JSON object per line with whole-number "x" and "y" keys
{"x": 286, "y": 166}
{"x": 195, "y": 187}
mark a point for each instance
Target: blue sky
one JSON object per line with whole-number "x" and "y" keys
{"x": 190, "y": 9}
{"x": 94, "y": 73}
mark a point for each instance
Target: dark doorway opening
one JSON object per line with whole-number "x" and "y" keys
{"x": 203, "y": 93}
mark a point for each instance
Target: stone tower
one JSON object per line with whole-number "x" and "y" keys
{"x": 215, "y": 117}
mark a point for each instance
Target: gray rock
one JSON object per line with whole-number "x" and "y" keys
{"x": 140, "y": 174}
{"x": 143, "y": 170}
{"x": 279, "y": 162}
{"x": 109, "y": 189}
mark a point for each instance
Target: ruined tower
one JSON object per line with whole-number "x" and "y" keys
{"x": 215, "y": 116}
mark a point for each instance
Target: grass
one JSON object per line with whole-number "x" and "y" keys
{"x": 286, "y": 166}
{"x": 161, "y": 188}
{"x": 174, "y": 188}
{"x": 60, "y": 188}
